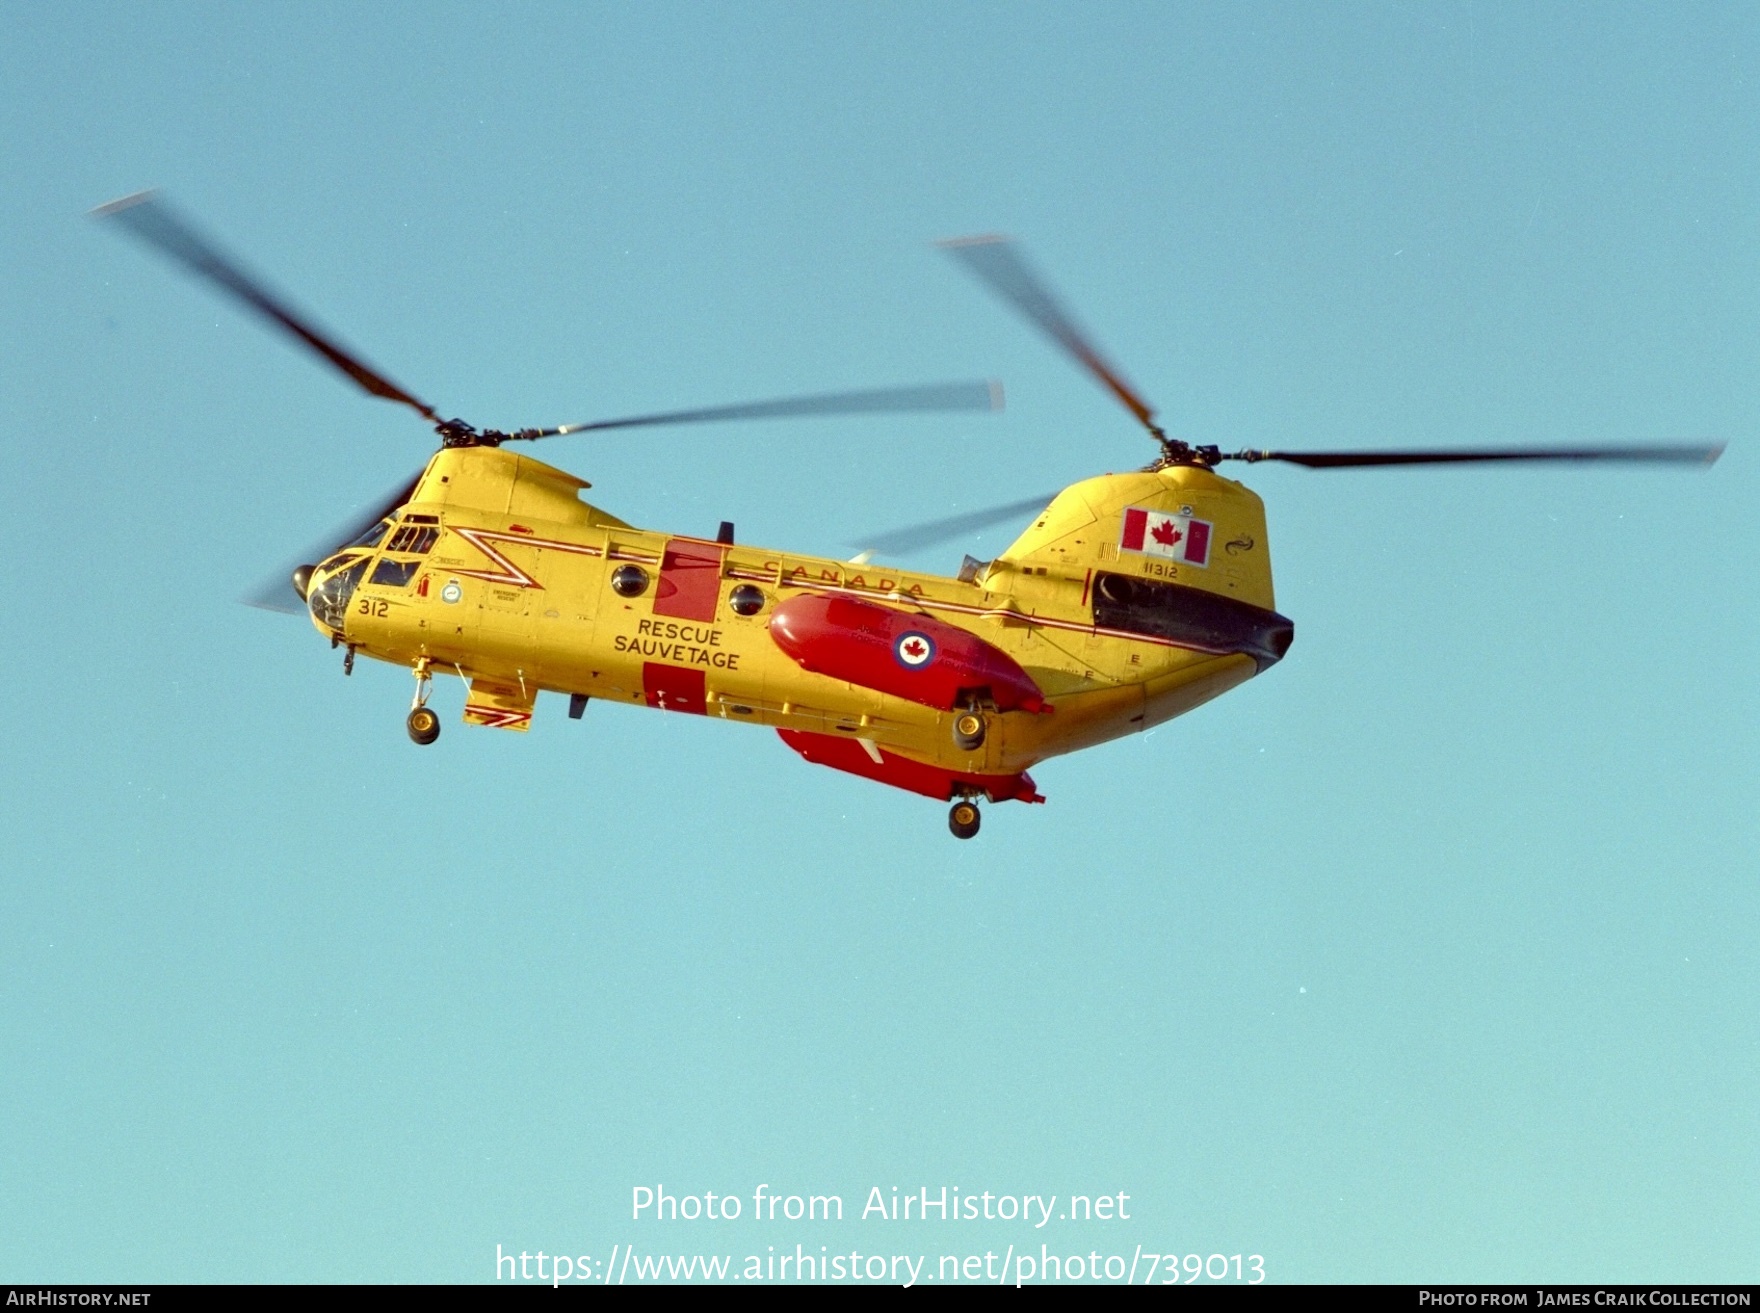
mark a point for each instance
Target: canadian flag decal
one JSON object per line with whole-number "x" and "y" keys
{"x": 1177, "y": 537}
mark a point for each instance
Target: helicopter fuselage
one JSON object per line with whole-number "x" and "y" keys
{"x": 496, "y": 570}
{"x": 1131, "y": 599}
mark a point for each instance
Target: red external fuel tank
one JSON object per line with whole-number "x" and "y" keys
{"x": 909, "y": 656}
{"x": 901, "y": 772}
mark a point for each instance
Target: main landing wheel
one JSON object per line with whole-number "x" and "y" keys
{"x": 424, "y": 725}
{"x": 968, "y": 731}
{"x": 963, "y": 819}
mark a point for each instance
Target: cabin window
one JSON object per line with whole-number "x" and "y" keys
{"x": 397, "y": 574}
{"x": 629, "y": 581}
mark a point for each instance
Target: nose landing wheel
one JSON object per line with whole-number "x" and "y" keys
{"x": 964, "y": 819}
{"x": 423, "y": 724}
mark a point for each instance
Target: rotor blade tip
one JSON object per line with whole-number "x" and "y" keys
{"x": 981, "y": 239}
{"x": 996, "y": 398}
{"x": 122, "y": 203}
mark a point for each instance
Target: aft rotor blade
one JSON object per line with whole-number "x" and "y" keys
{"x": 1331, "y": 460}
{"x": 150, "y": 219}
{"x": 877, "y": 401}
{"x": 277, "y": 593}
{"x": 898, "y": 542}
{"x": 997, "y": 264}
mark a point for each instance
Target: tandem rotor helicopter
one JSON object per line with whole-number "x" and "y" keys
{"x": 1128, "y": 600}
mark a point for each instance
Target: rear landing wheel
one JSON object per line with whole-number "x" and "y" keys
{"x": 968, "y": 731}
{"x": 963, "y": 819}
{"x": 424, "y": 725}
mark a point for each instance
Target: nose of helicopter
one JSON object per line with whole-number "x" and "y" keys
{"x": 328, "y": 588}
{"x": 302, "y": 580}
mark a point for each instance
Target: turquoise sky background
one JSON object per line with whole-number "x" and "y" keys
{"x": 1429, "y": 955}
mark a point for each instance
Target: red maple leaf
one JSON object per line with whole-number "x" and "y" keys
{"x": 1165, "y": 534}
{"x": 914, "y": 648}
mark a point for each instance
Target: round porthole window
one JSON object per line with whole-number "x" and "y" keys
{"x": 746, "y": 600}
{"x": 629, "y": 581}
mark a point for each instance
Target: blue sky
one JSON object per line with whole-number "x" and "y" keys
{"x": 1429, "y": 955}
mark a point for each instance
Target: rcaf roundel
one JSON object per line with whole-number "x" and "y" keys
{"x": 1156, "y": 533}
{"x": 914, "y": 650}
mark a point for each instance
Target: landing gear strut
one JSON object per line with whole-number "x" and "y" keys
{"x": 423, "y": 724}
{"x": 964, "y": 819}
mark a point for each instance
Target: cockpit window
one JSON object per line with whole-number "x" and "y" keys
{"x": 329, "y": 600}
{"x": 416, "y": 538}
{"x": 372, "y": 536}
{"x": 396, "y": 573}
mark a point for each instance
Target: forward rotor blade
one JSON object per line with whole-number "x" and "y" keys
{"x": 1330, "y": 460}
{"x": 877, "y": 401}
{"x": 277, "y": 594}
{"x": 898, "y": 542}
{"x": 154, "y": 222}
{"x": 997, "y": 264}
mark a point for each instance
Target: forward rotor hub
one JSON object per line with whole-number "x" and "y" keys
{"x": 456, "y": 433}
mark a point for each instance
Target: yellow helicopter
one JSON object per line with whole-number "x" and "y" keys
{"x": 1129, "y": 599}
